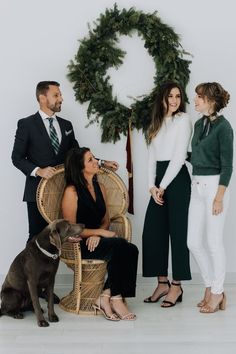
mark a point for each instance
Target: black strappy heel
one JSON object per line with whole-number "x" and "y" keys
{"x": 149, "y": 299}
{"x": 179, "y": 298}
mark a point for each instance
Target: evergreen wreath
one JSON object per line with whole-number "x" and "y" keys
{"x": 99, "y": 51}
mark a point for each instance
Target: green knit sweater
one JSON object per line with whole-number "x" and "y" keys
{"x": 212, "y": 153}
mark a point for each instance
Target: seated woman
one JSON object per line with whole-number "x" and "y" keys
{"x": 84, "y": 201}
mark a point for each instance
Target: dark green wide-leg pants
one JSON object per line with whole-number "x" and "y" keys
{"x": 168, "y": 222}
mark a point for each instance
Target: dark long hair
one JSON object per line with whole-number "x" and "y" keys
{"x": 159, "y": 110}
{"x": 74, "y": 165}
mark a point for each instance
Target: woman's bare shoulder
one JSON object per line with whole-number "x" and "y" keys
{"x": 70, "y": 191}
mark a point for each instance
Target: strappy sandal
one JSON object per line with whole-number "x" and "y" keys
{"x": 204, "y": 301}
{"x": 130, "y": 316}
{"x": 149, "y": 300}
{"x": 97, "y": 308}
{"x": 179, "y": 298}
{"x": 208, "y": 309}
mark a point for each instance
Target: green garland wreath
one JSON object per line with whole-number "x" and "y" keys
{"x": 99, "y": 52}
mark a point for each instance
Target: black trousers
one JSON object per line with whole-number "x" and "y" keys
{"x": 36, "y": 222}
{"x": 122, "y": 258}
{"x": 168, "y": 223}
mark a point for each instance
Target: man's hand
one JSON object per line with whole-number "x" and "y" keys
{"x": 46, "y": 172}
{"x": 113, "y": 165}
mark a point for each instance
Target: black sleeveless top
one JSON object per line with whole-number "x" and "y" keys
{"x": 90, "y": 212}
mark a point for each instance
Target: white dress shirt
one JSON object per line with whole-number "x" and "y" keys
{"x": 170, "y": 144}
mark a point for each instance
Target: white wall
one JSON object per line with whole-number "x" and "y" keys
{"x": 39, "y": 38}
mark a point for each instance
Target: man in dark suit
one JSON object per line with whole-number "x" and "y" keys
{"x": 42, "y": 141}
{"x": 33, "y": 152}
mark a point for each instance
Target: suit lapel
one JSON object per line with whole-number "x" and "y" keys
{"x": 62, "y": 128}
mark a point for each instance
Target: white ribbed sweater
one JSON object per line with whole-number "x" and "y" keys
{"x": 170, "y": 144}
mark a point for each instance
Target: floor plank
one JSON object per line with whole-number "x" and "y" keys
{"x": 181, "y": 329}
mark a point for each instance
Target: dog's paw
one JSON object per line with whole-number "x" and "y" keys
{"x": 53, "y": 318}
{"x": 18, "y": 316}
{"x": 43, "y": 323}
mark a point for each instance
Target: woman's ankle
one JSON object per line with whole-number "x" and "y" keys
{"x": 106, "y": 293}
{"x": 162, "y": 279}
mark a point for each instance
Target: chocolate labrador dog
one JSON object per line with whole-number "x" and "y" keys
{"x": 35, "y": 268}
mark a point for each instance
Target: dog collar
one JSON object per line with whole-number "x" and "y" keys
{"x": 51, "y": 255}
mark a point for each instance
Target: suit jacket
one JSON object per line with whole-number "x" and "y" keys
{"x": 33, "y": 148}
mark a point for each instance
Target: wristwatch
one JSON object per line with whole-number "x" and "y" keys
{"x": 101, "y": 163}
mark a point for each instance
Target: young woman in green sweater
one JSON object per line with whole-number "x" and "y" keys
{"x": 211, "y": 159}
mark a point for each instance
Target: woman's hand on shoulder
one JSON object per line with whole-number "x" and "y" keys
{"x": 157, "y": 194}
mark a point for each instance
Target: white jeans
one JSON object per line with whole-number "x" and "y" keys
{"x": 204, "y": 226}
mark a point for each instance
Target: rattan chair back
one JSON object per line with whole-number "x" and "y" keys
{"x": 50, "y": 193}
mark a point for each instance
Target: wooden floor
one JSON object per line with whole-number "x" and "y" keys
{"x": 181, "y": 329}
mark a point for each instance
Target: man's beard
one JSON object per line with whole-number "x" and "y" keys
{"x": 55, "y": 108}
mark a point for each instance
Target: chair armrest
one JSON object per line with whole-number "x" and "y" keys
{"x": 121, "y": 225}
{"x": 71, "y": 254}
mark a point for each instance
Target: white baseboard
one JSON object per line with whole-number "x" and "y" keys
{"x": 65, "y": 280}
{"x": 196, "y": 279}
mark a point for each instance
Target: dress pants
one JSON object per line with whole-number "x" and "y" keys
{"x": 168, "y": 223}
{"x": 122, "y": 258}
{"x": 206, "y": 229}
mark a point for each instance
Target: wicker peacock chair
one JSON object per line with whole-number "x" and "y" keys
{"x": 88, "y": 274}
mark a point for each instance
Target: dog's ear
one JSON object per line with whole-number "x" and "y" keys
{"x": 58, "y": 227}
{"x": 55, "y": 239}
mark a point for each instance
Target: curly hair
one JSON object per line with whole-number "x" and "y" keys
{"x": 214, "y": 93}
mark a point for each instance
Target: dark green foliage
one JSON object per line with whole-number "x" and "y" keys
{"x": 99, "y": 51}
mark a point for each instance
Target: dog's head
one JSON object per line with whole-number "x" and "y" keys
{"x": 62, "y": 230}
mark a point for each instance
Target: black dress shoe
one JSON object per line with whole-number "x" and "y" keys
{"x": 43, "y": 294}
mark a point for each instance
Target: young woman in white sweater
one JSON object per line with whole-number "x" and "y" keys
{"x": 169, "y": 185}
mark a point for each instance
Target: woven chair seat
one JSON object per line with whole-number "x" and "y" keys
{"x": 89, "y": 274}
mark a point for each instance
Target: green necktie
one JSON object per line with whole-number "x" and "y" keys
{"x": 53, "y": 136}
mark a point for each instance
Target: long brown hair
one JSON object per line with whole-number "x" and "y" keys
{"x": 159, "y": 110}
